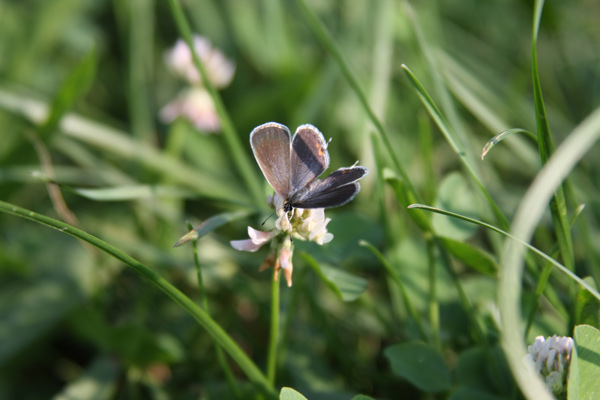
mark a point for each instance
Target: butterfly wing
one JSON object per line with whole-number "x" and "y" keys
{"x": 309, "y": 156}
{"x": 270, "y": 144}
{"x": 336, "y": 190}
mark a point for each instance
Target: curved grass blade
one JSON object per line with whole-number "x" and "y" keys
{"x": 214, "y": 329}
{"x": 526, "y": 219}
{"x": 501, "y": 136}
{"x": 498, "y": 230}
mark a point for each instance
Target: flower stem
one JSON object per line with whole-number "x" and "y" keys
{"x": 274, "y": 334}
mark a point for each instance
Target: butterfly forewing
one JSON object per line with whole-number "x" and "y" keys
{"x": 271, "y": 147}
{"x": 337, "y": 189}
{"x": 309, "y": 156}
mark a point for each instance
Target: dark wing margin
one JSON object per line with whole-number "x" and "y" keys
{"x": 336, "y": 190}
{"x": 309, "y": 156}
{"x": 271, "y": 146}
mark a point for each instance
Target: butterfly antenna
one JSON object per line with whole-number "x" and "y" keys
{"x": 355, "y": 164}
{"x": 269, "y": 217}
{"x": 327, "y": 144}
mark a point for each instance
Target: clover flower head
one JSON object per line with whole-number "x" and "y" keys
{"x": 309, "y": 224}
{"x": 195, "y": 105}
{"x": 551, "y": 357}
{"x": 219, "y": 69}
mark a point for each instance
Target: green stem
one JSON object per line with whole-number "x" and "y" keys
{"x": 274, "y": 334}
{"x": 219, "y": 350}
{"x": 434, "y": 310}
{"x": 236, "y": 353}
{"x": 326, "y": 40}
{"x": 239, "y": 156}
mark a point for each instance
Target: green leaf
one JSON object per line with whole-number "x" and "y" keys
{"x": 455, "y": 194}
{"x": 587, "y": 307}
{"x": 475, "y": 258}
{"x": 583, "y": 380}
{"x": 290, "y": 394}
{"x": 210, "y": 225}
{"x": 362, "y": 397}
{"x": 98, "y": 382}
{"x": 349, "y": 287}
{"x": 76, "y": 85}
{"x": 421, "y": 365}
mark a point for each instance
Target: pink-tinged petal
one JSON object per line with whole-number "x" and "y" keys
{"x": 260, "y": 237}
{"x": 245, "y": 245}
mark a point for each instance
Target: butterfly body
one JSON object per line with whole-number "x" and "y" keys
{"x": 292, "y": 165}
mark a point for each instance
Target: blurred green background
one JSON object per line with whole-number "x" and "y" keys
{"x": 67, "y": 310}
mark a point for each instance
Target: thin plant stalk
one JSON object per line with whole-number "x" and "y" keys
{"x": 214, "y": 329}
{"x": 274, "y": 331}
{"x": 434, "y": 309}
{"x": 238, "y": 155}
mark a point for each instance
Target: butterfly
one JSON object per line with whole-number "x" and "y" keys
{"x": 292, "y": 166}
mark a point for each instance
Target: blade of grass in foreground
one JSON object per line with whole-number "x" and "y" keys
{"x": 236, "y": 353}
{"x": 558, "y": 206}
{"x": 526, "y": 219}
{"x": 495, "y": 229}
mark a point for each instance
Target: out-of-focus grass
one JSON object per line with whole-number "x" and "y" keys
{"x": 69, "y": 311}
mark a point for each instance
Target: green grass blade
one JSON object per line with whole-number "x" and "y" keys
{"x": 441, "y": 122}
{"x": 75, "y": 86}
{"x": 501, "y": 136}
{"x": 526, "y": 220}
{"x": 245, "y": 363}
{"x": 502, "y": 232}
{"x": 394, "y": 275}
{"x": 120, "y": 144}
{"x": 238, "y": 154}
{"x": 328, "y": 43}
{"x": 558, "y": 206}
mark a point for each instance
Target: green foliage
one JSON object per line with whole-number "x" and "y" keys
{"x": 421, "y": 365}
{"x": 420, "y": 292}
{"x": 585, "y": 364}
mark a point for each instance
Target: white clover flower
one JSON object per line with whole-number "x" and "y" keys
{"x": 551, "y": 357}
{"x": 196, "y": 106}
{"x": 309, "y": 224}
{"x": 219, "y": 69}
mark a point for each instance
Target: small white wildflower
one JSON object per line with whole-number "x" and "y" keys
{"x": 552, "y": 356}
{"x": 302, "y": 224}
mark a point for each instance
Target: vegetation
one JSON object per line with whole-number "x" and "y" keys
{"x": 475, "y": 231}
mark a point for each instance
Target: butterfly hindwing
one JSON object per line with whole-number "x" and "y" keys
{"x": 309, "y": 156}
{"x": 337, "y": 189}
{"x": 271, "y": 146}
